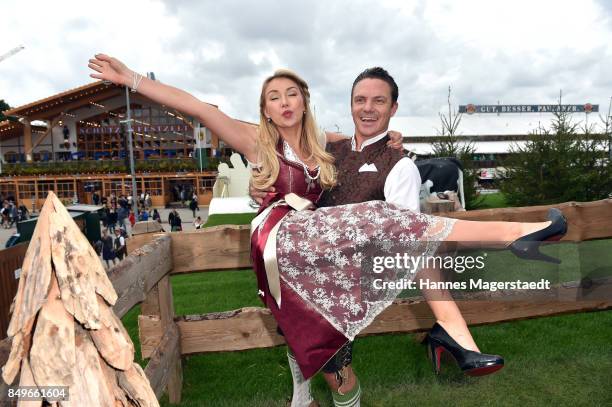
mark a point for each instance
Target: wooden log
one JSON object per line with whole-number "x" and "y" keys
{"x": 163, "y": 360}
{"x": 137, "y": 386}
{"x": 246, "y": 328}
{"x": 90, "y": 387}
{"x": 150, "y": 305}
{"x": 5, "y": 349}
{"x": 82, "y": 255}
{"x": 166, "y": 302}
{"x": 79, "y": 271}
{"x": 18, "y": 352}
{"x": 112, "y": 340}
{"x": 138, "y": 241}
{"x": 11, "y": 260}
{"x": 175, "y": 370}
{"x": 175, "y": 379}
{"x": 27, "y": 380}
{"x": 251, "y": 328}
{"x": 150, "y": 329}
{"x": 52, "y": 355}
{"x": 586, "y": 220}
{"x": 139, "y": 272}
{"x": 150, "y": 333}
{"x": 112, "y": 384}
{"x": 436, "y": 206}
{"x": 35, "y": 276}
{"x": 217, "y": 248}
{"x": 77, "y": 307}
{"x": 149, "y": 226}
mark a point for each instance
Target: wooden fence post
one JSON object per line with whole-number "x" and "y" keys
{"x": 166, "y": 307}
{"x": 159, "y": 306}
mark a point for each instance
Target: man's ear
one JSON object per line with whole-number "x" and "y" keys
{"x": 394, "y": 109}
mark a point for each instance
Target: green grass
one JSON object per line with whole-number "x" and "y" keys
{"x": 229, "y": 219}
{"x": 564, "y": 360}
{"x": 554, "y": 361}
{"x": 496, "y": 200}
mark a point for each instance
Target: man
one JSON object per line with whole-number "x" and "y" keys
{"x": 175, "y": 221}
{"x": 122, "y": 215}
{"x": 368, "y": 170}
{"x": 171, "y": 218}
{"x": 193, "y": 205}
{"x": 95, "y": 198}
{"x": 120, "y": 247}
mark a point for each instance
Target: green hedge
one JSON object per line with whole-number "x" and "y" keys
{"x": 104, "y": 167}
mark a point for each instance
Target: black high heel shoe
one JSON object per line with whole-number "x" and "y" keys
{"x": 470, "y": 362}
{"x": 527, "y": 247}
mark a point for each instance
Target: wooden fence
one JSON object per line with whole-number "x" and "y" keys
{"x": 10, "y": 261}
{"x": 144, "y": 277}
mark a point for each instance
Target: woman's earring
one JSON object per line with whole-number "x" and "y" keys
{"x": 304, "y": 113}
{"x": 269, "y": 119}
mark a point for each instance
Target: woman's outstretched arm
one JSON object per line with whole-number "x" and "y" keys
{"x": 240, "y": 136}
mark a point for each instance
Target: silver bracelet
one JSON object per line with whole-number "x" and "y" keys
{"x": 137, "y": 78}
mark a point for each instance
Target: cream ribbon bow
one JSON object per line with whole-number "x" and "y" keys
{"x": 269, "y": 255}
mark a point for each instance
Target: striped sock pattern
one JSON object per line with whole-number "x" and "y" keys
{"x": 350, "y": 399}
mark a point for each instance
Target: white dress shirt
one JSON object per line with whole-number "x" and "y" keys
{"x": 403, "y": 183}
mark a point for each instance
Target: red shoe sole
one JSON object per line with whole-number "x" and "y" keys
{"x": 480, "y": 371}
{"x": 483, "y": 371}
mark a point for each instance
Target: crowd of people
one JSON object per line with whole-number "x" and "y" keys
{"x": 12, "y": 213}
{"x": 118, "y": 219}
{"x": 117, "y": 211}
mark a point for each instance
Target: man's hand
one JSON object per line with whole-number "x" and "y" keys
{"x": 258, "y": 195}
{"x": 396, "y": 140}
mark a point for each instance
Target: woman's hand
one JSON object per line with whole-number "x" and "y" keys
{"x": 332, "y": 137}
{"x": 396, "y": 140}
{"x": 240, "y": 136}
{"x": 258, "y": 195}
{"x": 110, "y": 69}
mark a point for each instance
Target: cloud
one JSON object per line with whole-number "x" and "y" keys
{"x": 518, "y": 52}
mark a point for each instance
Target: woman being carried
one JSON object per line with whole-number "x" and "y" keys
{"x": 308, "y": 260}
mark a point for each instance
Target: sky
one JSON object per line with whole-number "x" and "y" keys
{"x": 488, "y": 52}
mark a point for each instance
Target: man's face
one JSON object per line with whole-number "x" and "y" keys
{"x": 372, "y": 107}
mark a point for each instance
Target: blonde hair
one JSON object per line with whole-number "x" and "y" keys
{"x": 312, "y": 141}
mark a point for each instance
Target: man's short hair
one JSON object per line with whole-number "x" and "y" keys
{"x": 378, "y": 73}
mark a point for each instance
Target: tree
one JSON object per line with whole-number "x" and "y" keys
{"x": 559, "y": 164}
{"x": 449, "y": 145}
{"x": 3, "y": 106}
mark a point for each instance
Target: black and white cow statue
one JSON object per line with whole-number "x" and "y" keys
{"x": 441, "y": 175}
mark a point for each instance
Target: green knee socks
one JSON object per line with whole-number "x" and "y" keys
{"x": 349, "y": 399}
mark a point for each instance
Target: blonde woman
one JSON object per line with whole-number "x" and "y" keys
{"x": 308, "y": 260}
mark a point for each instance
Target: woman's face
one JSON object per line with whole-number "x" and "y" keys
{"x": 284, "y": 103}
